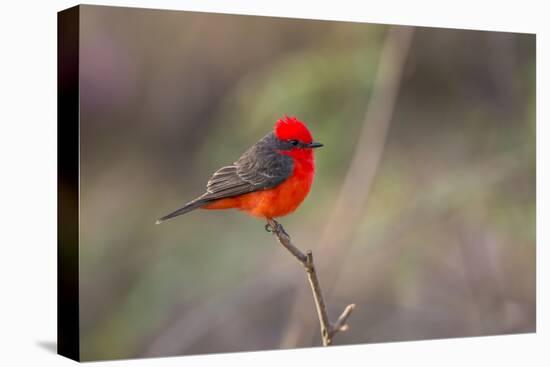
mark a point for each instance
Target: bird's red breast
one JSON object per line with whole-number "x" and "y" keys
{"x": 279, "y": 201}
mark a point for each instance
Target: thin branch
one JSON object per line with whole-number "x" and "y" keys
{"x": 328, "y": 329}
{"x": 337, "y": 235}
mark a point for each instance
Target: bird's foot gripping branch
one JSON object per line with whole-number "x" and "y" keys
{"x": 328, "y": 329}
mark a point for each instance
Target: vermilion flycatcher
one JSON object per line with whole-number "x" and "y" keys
{"x": 271, "y": 179}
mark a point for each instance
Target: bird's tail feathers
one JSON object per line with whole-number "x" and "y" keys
{"x": 192, "y": 205}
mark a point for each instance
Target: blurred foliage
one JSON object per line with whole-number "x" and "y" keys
{"x": 446, "y": 246}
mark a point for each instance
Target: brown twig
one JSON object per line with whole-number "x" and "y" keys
{"x": 338, "y": 233}
{"x": 328, "y": 329}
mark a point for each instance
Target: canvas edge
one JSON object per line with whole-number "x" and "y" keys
{"x": 68, "y": 43}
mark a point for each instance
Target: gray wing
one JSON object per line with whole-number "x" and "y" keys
{"x": 260, "y": 168}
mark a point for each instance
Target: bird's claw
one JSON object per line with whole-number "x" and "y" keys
{"x": 276, "y": 228}
{"x": 273, "y": 226}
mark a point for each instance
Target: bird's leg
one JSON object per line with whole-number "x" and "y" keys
{"x": 275, "y": 227}
{"x": 272, "y": 225}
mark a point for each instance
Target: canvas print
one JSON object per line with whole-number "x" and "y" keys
{"x": 234, "y": 183}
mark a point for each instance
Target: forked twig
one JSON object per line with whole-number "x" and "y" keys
{"x": 339, "y": 230}
{"x": 328, "y": 329}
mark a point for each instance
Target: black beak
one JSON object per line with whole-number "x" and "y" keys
{"x": 315, "y": 144}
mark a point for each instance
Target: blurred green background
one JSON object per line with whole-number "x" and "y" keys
{"x": 443, "y": 240}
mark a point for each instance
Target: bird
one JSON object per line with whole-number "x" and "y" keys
{"x": 269, "y": 180}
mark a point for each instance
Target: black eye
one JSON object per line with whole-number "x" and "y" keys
{"x": 294, "y": 142}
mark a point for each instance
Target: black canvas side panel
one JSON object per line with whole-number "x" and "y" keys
{"x": 68, "y": 343}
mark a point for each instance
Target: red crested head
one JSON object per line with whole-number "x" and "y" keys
{"x": 290, "y": 128}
